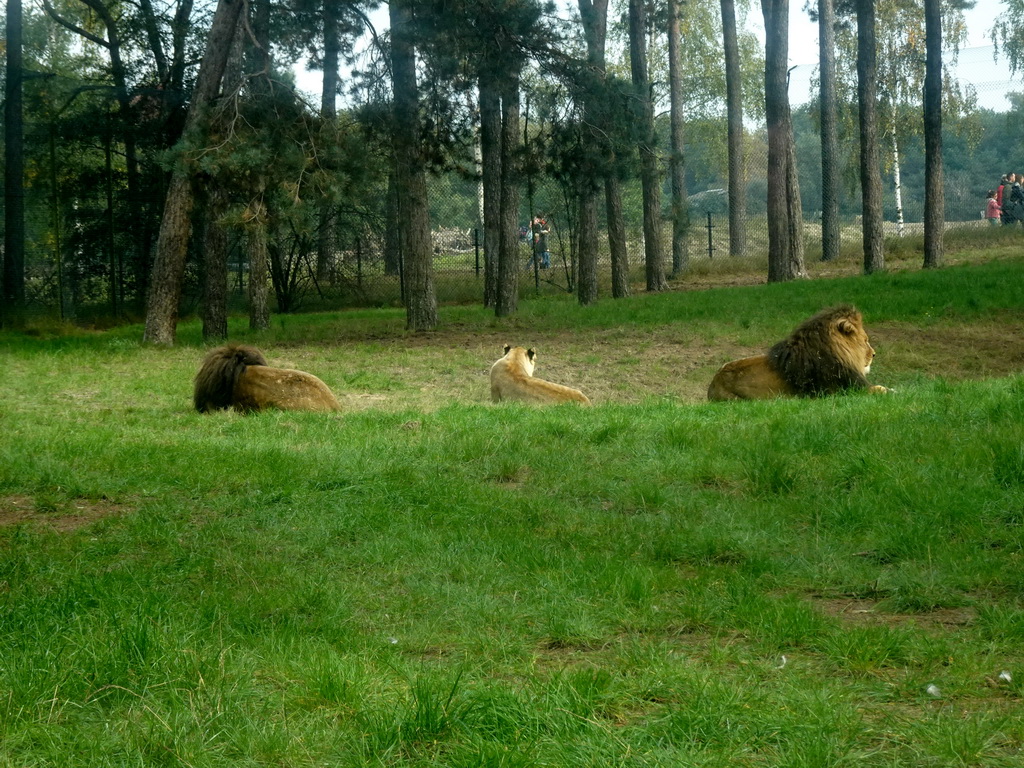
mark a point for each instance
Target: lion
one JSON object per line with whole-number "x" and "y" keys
{"x": 826, "y": 354}
{"x": 237, "y": 376}
{"x": 512, "y": 379}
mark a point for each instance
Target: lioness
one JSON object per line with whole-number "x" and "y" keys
{"x": 826, "y": 354}
{"x": 512, "y": 379}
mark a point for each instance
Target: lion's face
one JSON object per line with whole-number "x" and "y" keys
{"x": 852, "y": 342}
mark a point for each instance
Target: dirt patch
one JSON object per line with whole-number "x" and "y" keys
{"x": 975, "y": 351}
{"x": 863, "y": 611}
{"x": 630, "y": 365}
{"x": 63, "y": 517}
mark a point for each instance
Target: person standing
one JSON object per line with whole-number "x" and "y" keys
{"x": 1013, "y": 200}
{"x": 541, "y": 254}
{"x": 992, "y": 212}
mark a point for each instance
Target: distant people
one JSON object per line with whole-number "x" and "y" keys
{"x": 1013, "y": 200}
{"x": 999, "y": 191}
{"x": 541, "y": 254}
{"x": 992, "y": 211}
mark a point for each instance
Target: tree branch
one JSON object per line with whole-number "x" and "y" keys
{"x": 72, "y": 26}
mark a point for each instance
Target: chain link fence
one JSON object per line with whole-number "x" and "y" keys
{"x": 83, "y": 235}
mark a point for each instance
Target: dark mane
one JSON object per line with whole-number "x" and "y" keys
{"x": 219, "y": 373}
{"x": 812, "y": 360}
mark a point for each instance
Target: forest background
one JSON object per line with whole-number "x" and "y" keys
{"x": 304, "y": 196}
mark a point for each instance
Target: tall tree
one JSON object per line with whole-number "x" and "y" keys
{"x": 12, "y": 312}
{"x": 172, "y": 243}
{"x": 215, "y": 199}
{"x": 411, "y": 174}
{"x": 870, "y": 170}
{"x": 507, "y": 299}
{"x": 112, "y": 42}
{"x": 650, "y": 178}
{"x": 934, "y": 191}
{"x": 734, "y": 119}
{"x": 593, "y": 17}
{"x": 490, "y": 169}
{"x": 830, "y": 233}
{"x": 598, "y": 135}
{"x": 677, "y": 160}
{"x": 329, "y": 112}
{"x": 785, "y": 217}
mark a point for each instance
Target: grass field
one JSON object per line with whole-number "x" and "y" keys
{"x": 427, "y": 579}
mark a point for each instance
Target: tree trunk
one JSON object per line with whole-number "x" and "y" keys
{"x": 934, "y": 183}
{"x": 507, "y": 300}
{"x": 897, "y": 181}
{"x": 677, "y": 163}
{"x": 172, "y": 243}
{"x": 215, "y": 268}
{"x": 215, "y": 235}
{"x": 594, "y": 15}
{"x": 870, "y": 172}
{"x": 329, "y": 113}
{"x": 490, "y": 159}
{"x": 256, "y": 234}
{"x": 392, "y": 230}
{"x": 617, "y": 237}
{"x": 785, "y": 219}
{"x": 650, "y": 179}
{"x": 410, "y": 176}
{"x": 586, "y": 285}
{"x": 734, "y": 110}
{"x": 12, "y": 313}
{"x": 831, "y": 238}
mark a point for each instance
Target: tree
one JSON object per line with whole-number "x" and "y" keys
{"x": 870, "y": 173}
{"x": 411, "y": 174}
{"x": 114, "y": 46}
{"x": 507, "y": 299}
{"x": 490, "y": 169}
{"x": 734, "y": 118}
{"x": 677, "y": 160}
{"x": 214, "y": 205}
{"x": 934, "y": 191}
{"x": 900, "y": 55}
{"x": 649, "y": 175}
{"x": 1008, "y": 33}
{"x": 785, "y": 219}
{"x": 328, "y": 111}
{"x": 14, "y": 174}
{"x": 599, "y": 141}
{"x": 172, "y": 243}
{"x": 594, "y": 19}
{"x": 830, "y": 231}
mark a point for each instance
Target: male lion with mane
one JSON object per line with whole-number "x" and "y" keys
{"x": 826, "y": 354}
{"x": 512, "y": 379}
{"x": 237, "y": 376}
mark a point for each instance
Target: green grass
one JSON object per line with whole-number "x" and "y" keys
{"x": 428, "y": 581}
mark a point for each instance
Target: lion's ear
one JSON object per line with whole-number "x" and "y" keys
{"x": 507, "y": 347}
{"x": 530, "y": 353}
{"x": 846, "y": 326}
